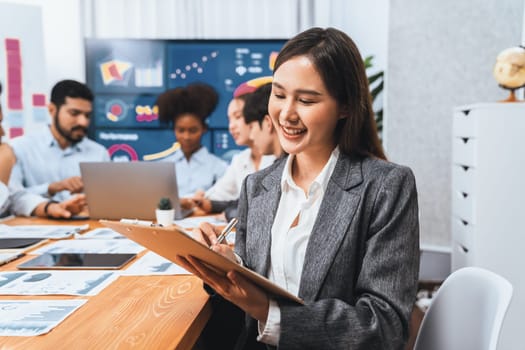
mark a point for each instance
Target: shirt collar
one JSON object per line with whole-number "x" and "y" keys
{"x": 200, "y": 156}
{"x": 321, "y": 181}
{"x": 50, "y": 140}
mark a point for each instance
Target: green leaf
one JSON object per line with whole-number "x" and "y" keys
{"x": 377, "y": 90}
{"x": 378, "y": 79}
{"x": 368, "y": 61}
{"x": 374, "y": 77}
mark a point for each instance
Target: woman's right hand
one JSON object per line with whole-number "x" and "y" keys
{"x": 207, "y": 234}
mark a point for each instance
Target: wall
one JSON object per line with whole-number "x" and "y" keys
{"x": 66, "y": 22}
{"x": 21, "y": 68}
{"x": 441, "y": 54}
{"x": 366, "y": 21}
{"x": 63, "y": 32}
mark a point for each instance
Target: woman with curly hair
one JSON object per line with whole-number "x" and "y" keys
{"x": 188, "y": 108}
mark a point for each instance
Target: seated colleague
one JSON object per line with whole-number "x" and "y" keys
{"x": 7, "y": 160}
{"x": 246, "y": 162}
{"x": 6, "y": 163}
{"x": 263, "y": 136}
{"x": 47, "y": 161}
{"x": 188, "y": 108}
{"x": 21, "y": 202}
{"x": 333, "y": 223}
{"x": 262, "y": 131}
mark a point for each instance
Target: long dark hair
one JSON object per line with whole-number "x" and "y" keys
{"x": 339, "y": 63}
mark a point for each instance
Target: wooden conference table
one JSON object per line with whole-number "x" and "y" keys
{"x": 134, "y": 312}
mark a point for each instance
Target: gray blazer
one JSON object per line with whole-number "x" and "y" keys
{"x": 360, "y": 271}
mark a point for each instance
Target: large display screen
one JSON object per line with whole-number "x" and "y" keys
{"x": 127, "y": 75}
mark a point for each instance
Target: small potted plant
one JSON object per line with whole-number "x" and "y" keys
{"x": 165, "y": 212}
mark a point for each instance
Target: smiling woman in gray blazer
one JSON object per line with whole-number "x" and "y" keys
{"x": 333, "y": 223}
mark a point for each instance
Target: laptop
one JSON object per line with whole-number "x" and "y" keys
{"x": 116, "y": 190}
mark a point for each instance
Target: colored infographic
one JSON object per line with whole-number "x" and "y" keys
{"x": 224, "y": 64}
{"x": 118, "y": 111}
{"x": 127, "y": 145}
{"x": 126, "y": 66}
{"x": 127, "y": 75}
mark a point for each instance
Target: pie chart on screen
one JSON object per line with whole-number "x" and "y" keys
{"x": 116, "y": 110}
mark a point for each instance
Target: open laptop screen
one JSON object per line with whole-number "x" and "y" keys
{"x": 117, "y": 190}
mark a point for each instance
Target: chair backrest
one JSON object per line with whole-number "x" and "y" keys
{"x": 467, "y": 312}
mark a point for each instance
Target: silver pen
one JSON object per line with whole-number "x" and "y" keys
{"x": 227, "y": 230}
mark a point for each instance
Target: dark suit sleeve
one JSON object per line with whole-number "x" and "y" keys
{"x": 374, "y": 312}
{"x": 228, "y": 207}
{"x": 240, "y": 231}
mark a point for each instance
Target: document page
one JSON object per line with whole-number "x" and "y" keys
{"x": 46, "y": 282}
{"x": 100, "y": 233}
{"x": 27, "y": 318}
{"x": 91, "y": 246}
{"x": 154, "y": 264}
{"x": 40, "y": 231}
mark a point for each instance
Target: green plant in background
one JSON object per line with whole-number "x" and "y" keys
{"x": 165, "y": 204}
{"x": 376, "y": 82}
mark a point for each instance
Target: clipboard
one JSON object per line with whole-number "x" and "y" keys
{"x": 169, "y": 242}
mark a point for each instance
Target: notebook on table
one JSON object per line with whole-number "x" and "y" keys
{"x": 116, "y": 190}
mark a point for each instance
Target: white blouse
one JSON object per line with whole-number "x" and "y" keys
{"x": 289, "y": 243}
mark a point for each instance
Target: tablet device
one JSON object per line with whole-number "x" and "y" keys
{"x": 89, "y": 261}
{"x": 14, "y": 243}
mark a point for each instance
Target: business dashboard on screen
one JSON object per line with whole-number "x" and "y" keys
{"x": 127, "y": 75}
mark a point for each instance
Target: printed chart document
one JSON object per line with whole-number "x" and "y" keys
{"x": 195, "y": 221}
{"x": 170, "y": 242}
{"x": 154, "y": 264}
{"x": 40, "y": 231}
{"x": 46, "y": 282}
{"x": 28, "y": 318}
{"x": 100, "y": 233}
{"x": 91, "y": 246}
{"x": 8, "y": 255}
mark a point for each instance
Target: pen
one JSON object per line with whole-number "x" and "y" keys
{"x": 227, "y": 230}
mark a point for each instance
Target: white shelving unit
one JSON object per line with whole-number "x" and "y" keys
{"x": 488, "y": 199}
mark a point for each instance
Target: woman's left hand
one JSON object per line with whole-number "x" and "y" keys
{"x": 232, "y": 286}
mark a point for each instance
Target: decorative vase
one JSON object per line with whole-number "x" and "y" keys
{"x": 165, "y": 216}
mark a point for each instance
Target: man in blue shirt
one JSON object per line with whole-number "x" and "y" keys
{"x": 21, "y": 202}
{"x": 47, "y": 161}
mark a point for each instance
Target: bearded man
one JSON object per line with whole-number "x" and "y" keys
{"x": 47, "y": 160}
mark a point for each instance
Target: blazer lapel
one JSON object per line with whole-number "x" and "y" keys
{"x": 335, "y": 215}
{"x": 266, "y": 201}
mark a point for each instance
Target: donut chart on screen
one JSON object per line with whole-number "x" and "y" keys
{"x": 116, "y": 110}
{"x": 119, "y": 151}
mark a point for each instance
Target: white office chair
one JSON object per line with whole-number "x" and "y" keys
{"x": 467, "y": 312}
